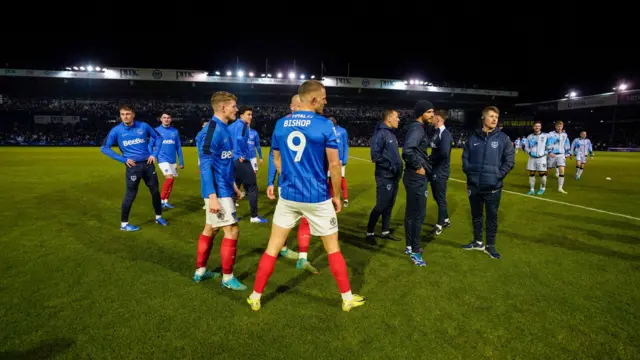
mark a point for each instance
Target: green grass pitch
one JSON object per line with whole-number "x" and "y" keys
{"x": 73, "y": 286}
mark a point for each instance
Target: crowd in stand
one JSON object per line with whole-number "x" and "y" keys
{"x": 96, "y": 117}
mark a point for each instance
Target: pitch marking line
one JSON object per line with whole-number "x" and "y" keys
{"x": 540, "y": 198}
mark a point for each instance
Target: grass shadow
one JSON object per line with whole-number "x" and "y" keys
{"x": 46, "y": 350}
{"x": 360, "y": 260}
{"x": 630, "y": 227}
{"x": 574, "y": 245}
{"x": 154, "y": 253}
{"x": 287, "y": 286}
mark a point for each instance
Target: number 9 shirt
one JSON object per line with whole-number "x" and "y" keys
{"x": 302, "y": 139}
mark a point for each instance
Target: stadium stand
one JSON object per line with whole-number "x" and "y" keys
{"x": 40, "y": 107}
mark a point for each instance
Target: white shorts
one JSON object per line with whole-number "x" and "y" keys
{"x": 582, "y": 158}
{"x": 558, "y": 161}
{"x": 343, "y": 171}
{"x": 254, "y": 164}
{"x": 537, "y": 164}
{"x": 226, "y": 216}
{"x": 321, "y": 216}
{"x": 169, "y": 169}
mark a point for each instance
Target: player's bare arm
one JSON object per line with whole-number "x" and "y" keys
{"x": 237, "y": 191}
{"x": 335, "y": 169}
{"x": 214, "y": 205}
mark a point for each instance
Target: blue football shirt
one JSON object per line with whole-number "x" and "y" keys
{"x": 170, "y": 145}
{"x": 302, "y": 139}
{"x": 215, "y": 149}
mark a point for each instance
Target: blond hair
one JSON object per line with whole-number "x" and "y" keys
{"x": 490, "y": 108}
{"x": 309, "y": 87}
{"x": 221, "y": 97}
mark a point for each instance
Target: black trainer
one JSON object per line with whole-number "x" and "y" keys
{"x": 371, "y": 240}
{"x": 491, "y": 251}
{"x": 388, "y": 236}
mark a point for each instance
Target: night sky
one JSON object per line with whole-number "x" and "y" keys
{"x": 540, "y": 65}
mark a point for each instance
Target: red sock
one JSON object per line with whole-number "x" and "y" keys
{"x": 304, "y": 235}
{"x": 265, "y": 269}
{"x": 330, "y": 188}
{"x": 339, "y": 270}
{"x": 228, "y": 255}
{"x": 343, "y": 185}
{"x": 170, "y": 181}
{"x": 204, "y": 250}
{"x": 166, "y": 188}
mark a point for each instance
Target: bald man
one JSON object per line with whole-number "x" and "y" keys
{"x": 304, "y": 231}
{"x": 295, "y": 103}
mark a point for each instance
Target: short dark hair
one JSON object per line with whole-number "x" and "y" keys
{"x": 243, "y": 109}
{"x": 537, "y": 122}
{"x": 443, "y": 114}
{"x": 126, "y": 107}
{"x": 583, "y": 131}
{"x": 387, "y": 112}
{"x": 165, "y": 112}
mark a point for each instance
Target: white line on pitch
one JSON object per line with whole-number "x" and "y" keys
{"x": 540, "y": 198}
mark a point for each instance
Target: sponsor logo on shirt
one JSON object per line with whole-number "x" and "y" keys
{"x": 168, "y": 142}
{"x": 227, "y": 154}
{"x": 133, "y": 142}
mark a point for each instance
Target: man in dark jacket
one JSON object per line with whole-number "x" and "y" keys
{"x": 417, "y": 168}
{"x": 487, "y": 158}
{"x": 441, "y": 159}
{"x": 386, "y": 155}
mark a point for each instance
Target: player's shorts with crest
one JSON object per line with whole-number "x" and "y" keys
{"x": 537, "y": 164}
{"x": 226, "y": 215}
{"x": 254, "y": 164}
{"x": 321, "y": 216}
{"x": 343, "y": 171}
{"x": 559, "y": 160}
{"x": 168, "y": 168}
{"x": 581, "y": 157}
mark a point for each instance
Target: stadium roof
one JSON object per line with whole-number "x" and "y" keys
{"x": 146, "y": 74}
{"x": 628, "y": 97}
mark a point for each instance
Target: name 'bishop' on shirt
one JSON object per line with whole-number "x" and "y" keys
{"x": 302, "y": 139}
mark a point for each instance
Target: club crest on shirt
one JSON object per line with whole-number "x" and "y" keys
{"x": 140, "y": 131}
{"x": 494, "y": 144}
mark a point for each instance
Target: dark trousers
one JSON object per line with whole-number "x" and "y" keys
{"x": 245, "y": 176}
{"x": 416, "y": 188}
{"x": 146, "y": 172}
{"x": 386, "y": 192}
{"x": 480, "y": 201}
{"x": 439, "y": 192}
